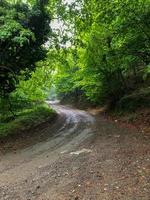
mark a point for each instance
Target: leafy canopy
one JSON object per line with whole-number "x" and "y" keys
{"x": 24, "y": 30}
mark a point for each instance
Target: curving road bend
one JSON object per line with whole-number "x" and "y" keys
{"x": 84, "y": 157}
{"x": 20, "y": 169}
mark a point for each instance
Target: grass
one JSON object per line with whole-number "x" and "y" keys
{"x": 26, "y": 119}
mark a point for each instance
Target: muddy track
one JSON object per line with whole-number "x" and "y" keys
{"x": 79, "y": 156}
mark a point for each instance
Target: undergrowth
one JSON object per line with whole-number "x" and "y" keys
{"x": 25, "y": 119}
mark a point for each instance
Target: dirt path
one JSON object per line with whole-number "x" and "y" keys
{"x": 84, "y": 158}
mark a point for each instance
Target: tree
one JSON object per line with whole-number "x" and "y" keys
{"x": 25, "y": 29}
{"x": 115, "y": 40}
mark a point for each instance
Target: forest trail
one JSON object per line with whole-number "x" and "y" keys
{"x": 85, "y": 157}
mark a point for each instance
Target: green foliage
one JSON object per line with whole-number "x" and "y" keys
{"x": 26, "y": 119}
{"x": 28, "y": 92}
{"x": 24, "y": 30}
{"x": 37, "y": 88}
{"x": 101, "y": 52}
{"x": 110, "y": 53}
{"x": 136, "y": 100}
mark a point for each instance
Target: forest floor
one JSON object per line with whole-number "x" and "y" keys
{"x": 82, "y": 156}
{"x": 140, "y": 119}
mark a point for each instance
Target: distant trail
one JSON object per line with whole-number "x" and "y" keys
{"x": 85, "y": 158}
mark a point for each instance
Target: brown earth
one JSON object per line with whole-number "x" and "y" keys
{"x": 81, "y": 156}
{"x": 139, "y": 120}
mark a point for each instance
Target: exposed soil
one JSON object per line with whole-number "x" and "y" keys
{"x": 140, "y": 119}
{"x": 81, "y": 156}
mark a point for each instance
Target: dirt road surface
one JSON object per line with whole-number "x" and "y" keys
{"x": 78, "y": 157}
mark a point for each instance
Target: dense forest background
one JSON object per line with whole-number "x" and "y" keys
{"x": 96, "y": 52}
